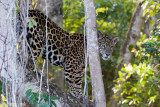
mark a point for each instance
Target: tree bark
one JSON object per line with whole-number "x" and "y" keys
{"x": 131, "y": 39}
{"x": 93, "y": 52}
{"x": 146, "y": 29}
{"x": 3, "y": 33}
{"x": 132, "y": 36}
{"x": 8, "y": 53}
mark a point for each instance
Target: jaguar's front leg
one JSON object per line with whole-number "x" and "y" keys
{"x": 74, "y": 79}
{"x": 35, "y": 44}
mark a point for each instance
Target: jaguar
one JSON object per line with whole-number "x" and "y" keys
{"x": 63, "y": 49}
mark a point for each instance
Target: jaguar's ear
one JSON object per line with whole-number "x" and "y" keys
{"x": 99, "y": 34}
{"x": 115, "y": 40}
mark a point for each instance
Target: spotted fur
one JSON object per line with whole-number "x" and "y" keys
{"x": 64, "y": 49}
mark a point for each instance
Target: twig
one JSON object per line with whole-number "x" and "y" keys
{"x": 36, "y": 3}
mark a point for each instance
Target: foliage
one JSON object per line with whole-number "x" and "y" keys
{"x": 139, "y": 82}
{"x": 153, "y": 8}
{"x": 0, "y": 87}
{"x": 73, "y": 20}
{"x": 44, "y": 101}
{"x": 151, "y": 49}
{"x": 110, "y": 16}
{"x": 3, "y": 101}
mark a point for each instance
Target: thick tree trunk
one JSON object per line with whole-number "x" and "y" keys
{"x": 3, "y": 25}
{"x": 9, "y": 69}
{"x": 3, "y": 33}
{"x": 93, "y": 52}
{"x": 131, "y": 39}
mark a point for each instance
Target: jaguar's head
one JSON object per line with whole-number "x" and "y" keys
{"x": 106, "y": 45}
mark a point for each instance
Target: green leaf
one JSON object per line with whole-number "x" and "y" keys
{"x": 158, "y": 43}
{"x": 55, "y": 98}
{"x": 121, "y": 74}
{"x": 28, "y": 20}
{"x": 147, "y": 43}
{"x": 100, "y": 10}
{"x": 36, "y": 95}
{"x": 28, "y": 93}
{"x": 45, "y": 97}
{"x": 0, "y": 87}
{"x": 31, "y": 23}
{"x": 145, "y": 5}
{"x": 34, "y": 22}
{"x": 152, "y": 23}
{"x": 150, "y": 49}
{"x": 121, "y": 79}
{"x": 130, "y": 47}
{"x": 153, "y": 98}
{"x": 32, "y": 99}
{"x": 151, "y": 90}
{"x": 142, "y": 37}
{"x": 54, "y": 103}
{"x": 44, "y": 105}
{"x": 150, "y": 72}
{"x": 145, "y": 12}
{"x": 152, "y": 13}
{"x": 142, "y": 82}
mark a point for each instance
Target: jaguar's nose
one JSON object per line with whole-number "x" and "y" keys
{"x": 107, "y": 55}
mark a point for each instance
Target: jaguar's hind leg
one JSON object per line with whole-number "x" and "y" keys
{"x": 74, "y": 79}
